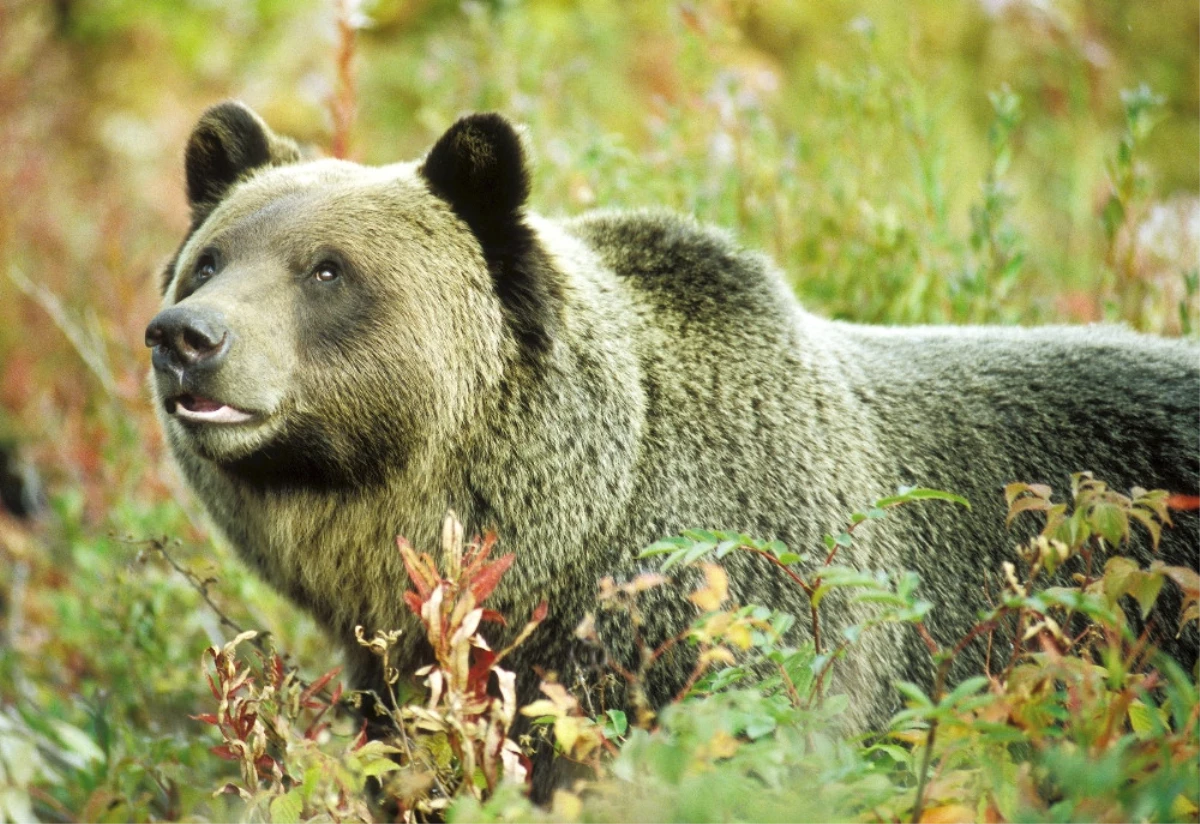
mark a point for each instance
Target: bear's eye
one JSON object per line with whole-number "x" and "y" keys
{"x": 206, "y": 267}
{"x": 327, "y": 272}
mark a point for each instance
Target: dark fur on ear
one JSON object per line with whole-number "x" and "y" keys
{"x": 478, "y": 166}
{"x": 229, "y": 142}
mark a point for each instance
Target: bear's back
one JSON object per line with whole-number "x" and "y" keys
{"x": 683, "y": 268}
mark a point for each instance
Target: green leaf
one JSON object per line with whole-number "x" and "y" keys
{"x": 698, "y": 551}
{"x": 966, "y": 688}
{"x": 759, "y": 725}
{"x": 725, "y": 547}
{"x": 77, "y": 742}
{"x": 664, "y": 546}
{"x": 312, "y": 777}
{"x": 907, "y": 494}
{"x": 914, "y": 693}
{"x": 788, "y": 558}
{"x": 836, "y": 704}
{"x": 616, "y": 725}
{"x": 1145, "y": 720}
{"x": 781, "y": 622}
{"x": 1144, "y": 589}
{"x": 1110, "y": 521}
{"x": 881, "y": 597}
{"x": 907, "y": 584}
{"x": 287, "y": 808}
{"x": 899, "y": 755}
{"x": 1118, "y": 576}
{"x": 840, "y": 577}
{"x": 1090, "y": 604}
{"x": 379, "y": 766}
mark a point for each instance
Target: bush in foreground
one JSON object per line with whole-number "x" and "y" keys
{"x": 1075, "y": 716}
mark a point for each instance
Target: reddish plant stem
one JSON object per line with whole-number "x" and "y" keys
{"x": 800, "y": 581}
{"x": 343, "y": 101}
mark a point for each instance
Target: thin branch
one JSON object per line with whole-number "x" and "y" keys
{"x": 923, "y": 779}
{"x": 159, "y": 545}
{"x": 89, "y": 348}
{"x": 803, "y": 584}
{"x": 342, "y": 103}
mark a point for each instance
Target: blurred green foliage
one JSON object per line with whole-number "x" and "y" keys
{"x": 903, "y": 163}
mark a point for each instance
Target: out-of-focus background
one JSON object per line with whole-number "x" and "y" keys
{"x": 1009, "y": 161}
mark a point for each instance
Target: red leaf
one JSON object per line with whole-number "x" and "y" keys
{"x": 223, "y": 751}
{"x": 318, "y": 685}
{"x": 1184, "y": 502}
{"x": 207, "y": 718}
{"x": 244, "y": 724}
{"x": 212, "y": 685}
{"x": 481, "y": 668}
{"x": 484, "y": 545}
{"x": 528, "y": 765}
{"x": 414, "y": 602}
{"x": 413, "y": 565}
{"x": 276, "y": 671}
{"x": 539, "y": 612}
{"x": 312, "y": 732}
{"x": 494, "y": 617}
{"x": 484, "y": 581}
{"x": 362, "y": 738}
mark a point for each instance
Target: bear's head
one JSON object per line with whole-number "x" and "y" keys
{"x": 323, "y": 320}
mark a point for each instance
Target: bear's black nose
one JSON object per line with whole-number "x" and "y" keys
{"x": 183, "y": 337}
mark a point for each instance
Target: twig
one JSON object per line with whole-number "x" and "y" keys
{"x": 789, "y": 685}
{"x": 803, "y": 584}
{"x": 924, "y": 776}
{"x": 818, "y": 682}
{"x": 691, "y": 682}
{"x": 201, "y": 586}
{"x": 939, "y": 689}
{"x": 16, "y": 600}
{"x": 342, "y": 102}
{"x": 89, "y": 349}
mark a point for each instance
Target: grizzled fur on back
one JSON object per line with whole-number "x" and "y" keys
{"x": 344, "y": 353}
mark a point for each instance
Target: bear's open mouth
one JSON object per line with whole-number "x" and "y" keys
{"x": 197, "y": 408}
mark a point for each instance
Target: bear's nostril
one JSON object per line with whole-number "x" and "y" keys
{"x": 182, "y": 337}
{"x": 199, "y": 342}
{"x": 154, "y": 335}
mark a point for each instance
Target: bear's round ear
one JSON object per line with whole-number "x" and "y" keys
{"x": 229, "y": 141}
{"x": 478, "y": 167}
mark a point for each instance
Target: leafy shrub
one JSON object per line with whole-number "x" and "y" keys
{"x": 1074, "y": 717}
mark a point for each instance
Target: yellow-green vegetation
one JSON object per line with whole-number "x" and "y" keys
{"x": 983, "y": 161}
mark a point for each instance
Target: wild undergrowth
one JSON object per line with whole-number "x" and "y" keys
{"x": 1073, "y": 716}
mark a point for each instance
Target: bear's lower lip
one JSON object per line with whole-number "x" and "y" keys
{"x": 206, "y": 410}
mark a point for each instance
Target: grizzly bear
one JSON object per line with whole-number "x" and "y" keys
{"x": 344, "y": 353}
